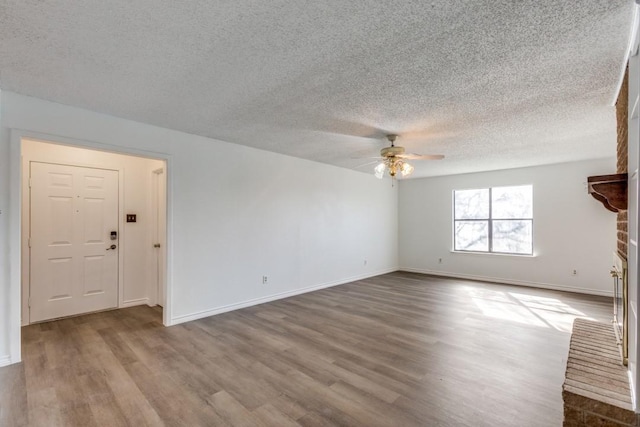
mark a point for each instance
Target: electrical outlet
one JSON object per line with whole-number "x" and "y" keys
{"x": 265, "y": 279}
{"x": 574, "y": 272}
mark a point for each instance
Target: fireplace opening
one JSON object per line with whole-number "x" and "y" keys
{"x": 620, "y": 305}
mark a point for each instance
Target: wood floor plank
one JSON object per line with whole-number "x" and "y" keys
{"x": 232, "y": 411}
{"x": 131, "y": 401}
{"x": 272, "y": 416}
{"x": 43, "y": 408}
{"x": 397, "y": 349}
{"x": 13, "y": 397}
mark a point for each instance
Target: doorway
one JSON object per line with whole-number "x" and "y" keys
{"x": 77, "y": 204}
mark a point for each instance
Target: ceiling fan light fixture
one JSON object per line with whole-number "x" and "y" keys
{"x": 392, "y": 166}
{"x": 393, "y": 170}
{"x": 394, "y": 163}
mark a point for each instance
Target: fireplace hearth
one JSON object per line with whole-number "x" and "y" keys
{"x": 596, "y": 390}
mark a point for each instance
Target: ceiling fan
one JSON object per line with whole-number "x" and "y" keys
{"x": 393, "y": 160}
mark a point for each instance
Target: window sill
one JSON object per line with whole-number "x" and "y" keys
{"x": 498, "y": 254}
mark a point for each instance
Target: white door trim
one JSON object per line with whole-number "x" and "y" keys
{"x": 15, "y": 211}
{"x": 159, "y": 234}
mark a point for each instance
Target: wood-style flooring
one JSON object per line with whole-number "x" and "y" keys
{"x": 400, "y": 349}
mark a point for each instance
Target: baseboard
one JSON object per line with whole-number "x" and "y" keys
{"x": 5, "y": 360}
{"x": 219, "y": 310}
{"x": 509, "y": 281}
{"x": 134, "y": 302}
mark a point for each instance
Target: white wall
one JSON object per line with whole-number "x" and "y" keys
{"x": 236, "y": 213}
{"x": 571, "y": 229}
{"x": 135, "y": 247}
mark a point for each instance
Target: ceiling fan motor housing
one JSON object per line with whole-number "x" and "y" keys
{"x": 391, "y": 151}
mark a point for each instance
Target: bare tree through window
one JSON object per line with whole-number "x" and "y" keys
{"x": 498, "y": 219}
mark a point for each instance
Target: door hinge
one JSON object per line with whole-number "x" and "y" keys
{"x": 29, "y": 182}
{"x": 29, "y": 302}
{"x": 29, "y": 241}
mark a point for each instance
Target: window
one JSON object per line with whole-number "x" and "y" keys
{"x": 498, "y": 219}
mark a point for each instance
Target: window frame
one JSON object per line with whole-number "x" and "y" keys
{"x": 489, "y": 220}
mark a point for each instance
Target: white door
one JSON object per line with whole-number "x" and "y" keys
{"x": 73, "y": 261}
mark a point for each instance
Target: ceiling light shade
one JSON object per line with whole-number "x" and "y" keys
{"x": 406, "y": 169}
{"x": 379, "y": 170}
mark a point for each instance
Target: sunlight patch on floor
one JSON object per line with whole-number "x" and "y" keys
{"x": 508, "y": 311}
{"x": 526, "y": 309}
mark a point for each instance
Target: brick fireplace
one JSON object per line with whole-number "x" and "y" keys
{"x": 622, "y": 108}
{"x": 596, "y": 391}
{"x": 622, "y": 113}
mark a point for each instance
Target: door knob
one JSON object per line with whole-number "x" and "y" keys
{"x": 111, "y": 247}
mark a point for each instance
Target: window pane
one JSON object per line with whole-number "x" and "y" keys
{"x": 512, "y": 202}
{"x": 471, "y": 204}
{"x": 471, "y": 236}
{"x": 513, "y": 236}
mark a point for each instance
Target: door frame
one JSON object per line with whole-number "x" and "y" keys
{"x": 158, "y": 182}
{"x": 15, "y": 213}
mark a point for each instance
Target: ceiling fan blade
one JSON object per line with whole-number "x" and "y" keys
{"x": 368, "y": 164}
{"x": 365, "y": 157}
{"x": 414, "y": 156}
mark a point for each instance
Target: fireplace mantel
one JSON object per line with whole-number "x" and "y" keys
{"x": 610, "y": 190}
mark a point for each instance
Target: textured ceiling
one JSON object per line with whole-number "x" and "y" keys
{"x": 490, "y": 84}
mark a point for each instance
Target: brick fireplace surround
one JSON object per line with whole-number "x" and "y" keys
{"x": 622, "y": 111}
{"x": 596, "y": 389}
